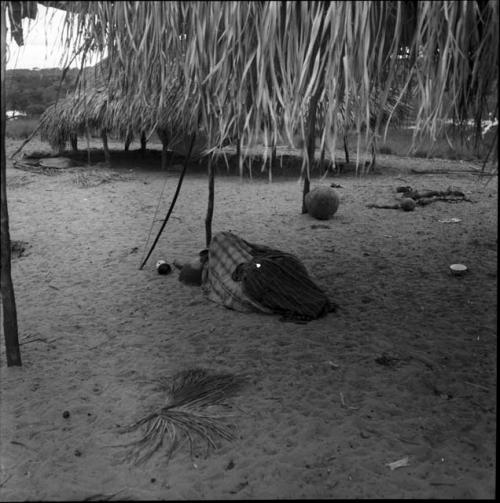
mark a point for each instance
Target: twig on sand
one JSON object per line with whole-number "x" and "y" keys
{"x": 477, "y": 385}
{"x": 5, "y": 480}
{"x": 33, "y": 340}
{"x": 342, "y": 399}
{"x": 342, "y": 402}
{"x": 426, "y": 361}
{"x": 15, "y": 442}
{"x": 102, "y": 497}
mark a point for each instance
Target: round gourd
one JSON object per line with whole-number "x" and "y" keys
{"x": 322, "y": 202}
{"x": 407, "y": 204}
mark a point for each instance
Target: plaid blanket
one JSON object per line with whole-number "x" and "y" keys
{"x": 251, "y": 277}
{"x": 225, "y": 254}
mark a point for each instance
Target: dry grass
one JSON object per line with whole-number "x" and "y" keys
{"x": 94, "y": 177}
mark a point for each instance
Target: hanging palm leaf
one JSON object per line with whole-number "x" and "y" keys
{"x": 247, "y": 69}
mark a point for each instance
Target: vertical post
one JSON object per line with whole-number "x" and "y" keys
{"x": 371, "y": 164}
{"x": 346, "y": 150}
{"x": 104, "y": 137}
{"x": 128, "y": 141}
{"x": 7, "y": 288}
{"x": 238, "y": 154}
{"x": 172, "y": 204}
{"x": 73, "y": 138}
{"x": 143, "y": 144}
{"x": 162, "y": 134}
{"x": 87, "y": 137}
{"x": 211, "y": 196}
{"x": 322, "y": 160}
{"x": 273, "y": 159}
{"x": 311, "y": 146}
{"x": 318, "y": 48}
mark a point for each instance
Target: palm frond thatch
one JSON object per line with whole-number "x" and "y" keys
{"x": 239, "y": 62}
{"x": 245, "y": 69}
{"x": 196, "y": 409}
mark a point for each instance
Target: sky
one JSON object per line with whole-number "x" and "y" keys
{"x": 42, "y": 46}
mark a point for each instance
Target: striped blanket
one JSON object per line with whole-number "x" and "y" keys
{"x": 248, "y": 277}
{"x": 225, "y": 254}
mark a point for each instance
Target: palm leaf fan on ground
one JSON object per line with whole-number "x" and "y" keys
{"x": 196, "y": 409}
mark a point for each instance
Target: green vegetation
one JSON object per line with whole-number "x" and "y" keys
{"x": 20, "y": 129}
{"x": 32, "y": 91}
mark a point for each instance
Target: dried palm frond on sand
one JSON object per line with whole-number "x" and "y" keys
{"x": 196, "y": 409}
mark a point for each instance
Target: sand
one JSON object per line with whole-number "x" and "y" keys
{"x": 405, "y": 368}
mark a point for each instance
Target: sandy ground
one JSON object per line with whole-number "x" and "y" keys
{"x": 406, "y": 368}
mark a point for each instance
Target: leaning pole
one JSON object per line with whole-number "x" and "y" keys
{"x": 9, "y": 313}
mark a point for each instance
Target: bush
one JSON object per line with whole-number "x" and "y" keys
{"x": 421, "y": 153}
{"x": 20, "y": 129}
{"x": 385, "y": 149}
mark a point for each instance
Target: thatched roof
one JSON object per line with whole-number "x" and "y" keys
{"x": 241, "y": 62}
{"x": 96, "y": 108}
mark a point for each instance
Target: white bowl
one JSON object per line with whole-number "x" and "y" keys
{"x": 458, "y": 269}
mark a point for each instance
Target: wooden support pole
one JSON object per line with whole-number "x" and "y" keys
{"x": 172, "y": 204}
{"x": 211, "y": 196}
{"x": 6, "y": 286}
{"x": 311, "y": 147}
{"x": 346, "y": 150}
{"x": 238, "y": 154}
{"x": 107, "y": 156}
{"x": 87, "y": 137}
{"x": 322, "y": 160}
{"x": 143, "y": 144}
{"x": 73, "y": 138}
{"x": 162, "y": 134}
{"x": 128, "y": 141}
{"x": 272, "y": 160}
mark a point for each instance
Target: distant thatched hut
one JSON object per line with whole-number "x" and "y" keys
{"x": 84, "y": 112}
{"x": 96, "y": 110}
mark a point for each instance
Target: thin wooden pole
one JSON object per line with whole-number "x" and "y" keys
{"x": 172, "y": 204}
{"x": 7, "y": 288}
{"x": 272, "y": 161}
{"x": 143, "y": 144}
{"x": 322, "y": 160}
{"x": 311, "y": 147}
{"x": 87, "y": 136}
{"x": 162, "y": 134}
{"x": 346, "y": 150}
{"x": 107, "y": 156}
{"x": 211, "y": 196}
{"x": 128, "y": 141}
{"x": 73, "y": 138}
{"x": 311, "y": 127}
{"x": 238, "y": 155}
